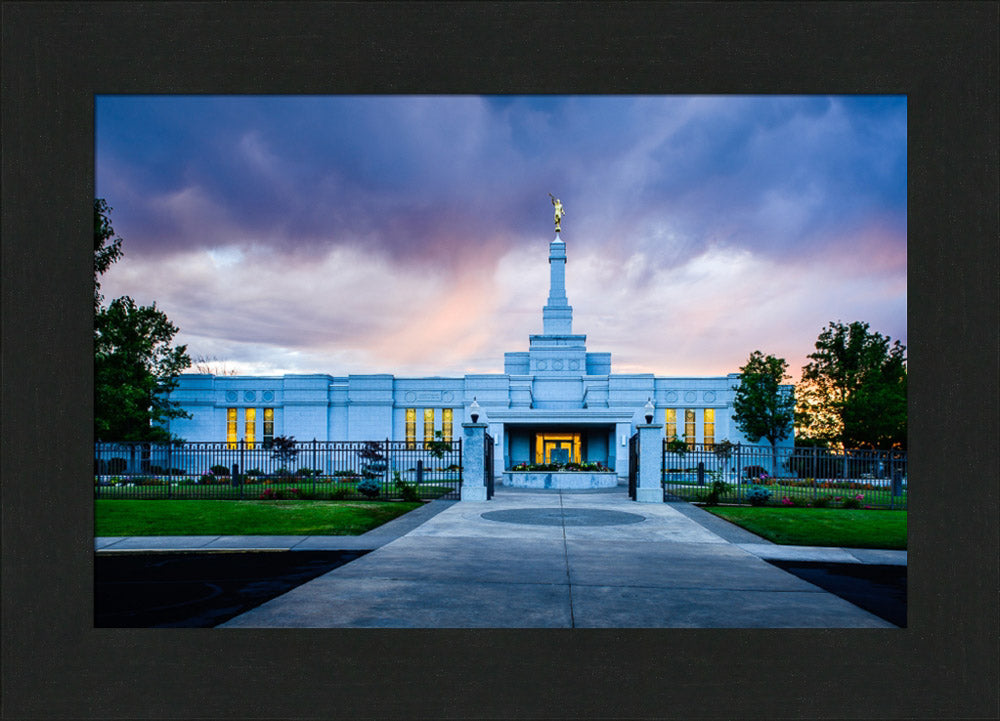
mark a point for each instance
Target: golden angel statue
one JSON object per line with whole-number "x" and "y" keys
{"x": 559, "y": 212}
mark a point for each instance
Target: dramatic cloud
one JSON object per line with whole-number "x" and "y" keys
{"x": 409, "y": 235}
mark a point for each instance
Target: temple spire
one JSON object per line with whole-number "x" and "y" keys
{"x": 557, "y": 315}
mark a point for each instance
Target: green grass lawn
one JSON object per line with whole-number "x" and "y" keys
{"x": 820, "y": 526}
{"x": 879, "y": 497}
{"x": 243, "y": 518}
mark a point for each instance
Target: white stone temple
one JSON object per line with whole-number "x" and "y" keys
{"x": 554, "y": 402}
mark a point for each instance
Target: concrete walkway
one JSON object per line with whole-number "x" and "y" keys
{"x": 446, "y": 566}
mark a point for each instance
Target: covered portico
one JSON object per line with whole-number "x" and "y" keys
{"x": 543, "y": 436}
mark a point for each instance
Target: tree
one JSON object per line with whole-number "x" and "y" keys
{"x": 213, "y": 366}
{"x": 105, "y": 253}
{"x": 762, "y": 408}
{"x": 135, "y": 367}
{"x": 854, "y": 389}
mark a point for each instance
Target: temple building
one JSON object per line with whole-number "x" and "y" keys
{"x": 556, "y": 401}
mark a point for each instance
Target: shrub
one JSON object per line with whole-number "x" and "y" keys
{"x": 219, "y": 471}
{"x": 820, "y": 502}
{"x": 854, "y": 502}
{"x": 676, "y": 445}
{"x": 282, "y": 473}
{"x": 757, "y": 496}
{"x": 369, "y": 488}
{"x": 178, "y": 472}
{"x": 754, "y": 471}
{"x": 254, "y": 472}
{"x": 716, "y": 491}
{"x": 340, "y": 494}
{"x": 269, "y": 494}
{"x": 157, "y": 470}
{"x": 408, "y": 490}
{"x": 342, "y": 474}
{"x": 290, "y": 494}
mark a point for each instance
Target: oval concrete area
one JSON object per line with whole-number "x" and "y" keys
{"x": 563, "y": 517}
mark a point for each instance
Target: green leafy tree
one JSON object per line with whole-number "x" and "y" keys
{"x": 135, "y": 366}
{"x": 762, "y": 408}
{"x": 107, "y": 248}
{"x": 853, "y": 391}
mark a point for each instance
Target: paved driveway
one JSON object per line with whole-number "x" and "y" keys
{"x": 560, "y": 560}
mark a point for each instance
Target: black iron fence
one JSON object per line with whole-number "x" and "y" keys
{"x": 488, "y": 464}
{"x": 633, "y": 466}
{"x": 349, "y": 470}
{"x": 736, "y": 473}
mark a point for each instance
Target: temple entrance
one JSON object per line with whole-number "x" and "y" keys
{"x": 557, "y": 448}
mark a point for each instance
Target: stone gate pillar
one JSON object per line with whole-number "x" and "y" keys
{"x": 474, "y": 462}
{"x": 649, "y": 489}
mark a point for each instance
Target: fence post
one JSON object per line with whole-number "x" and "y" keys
{"x": 388, "y": 465}
{"x": 649, "y": 487}
{"x": 473, "y": 462}
{"x": 739, "y": 472}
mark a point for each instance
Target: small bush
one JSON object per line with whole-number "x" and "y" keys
{"x": 408, "y": 490}
{"x": 820, "y": 502}
{"x": 718, "y": 489}
{"x": 269, "y": 494}
{"x": 290, "y": 494}
{"x": 282, "y": 473}
{"x": 369, "y": 488}
{"x": 340, "y": 494}
{"x": 219, "y": 470}
{"x": 754, "y": 471}
{"x": 757, "y": 496}
{"x": 178, "y": 472}
{"x": 854, "y": 502}
{"x": 157, "y": 470}
{"x": 254, "y": 472}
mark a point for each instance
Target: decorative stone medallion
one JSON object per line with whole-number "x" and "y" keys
{"x": 268, "y": 396}
{"x": 410, "y": 396}
{"x": 557, "y": 365}
{"x": 249, "y": 396}
{"x": 574, "y": 365}
{"x": 690, "y": 397}
{"x": 671, "y": 397}
{"x": 542, "y": 365}
{"x": 709, "y": 396}
{"x": 231, "y": 396}
{"x": 447, "y": 396}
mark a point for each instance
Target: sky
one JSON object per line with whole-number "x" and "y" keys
{"x": 409, "y": 234}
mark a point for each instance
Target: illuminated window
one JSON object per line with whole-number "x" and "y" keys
{"x": 446, "y": 416}
{"x": 709, "y": 428}
{"x": 557, "y": 448}
{"x": 689, "y": 427}
{"x": 670, "y": 427}
{"x": 411, "y": 427}
{"x": 251, "y": 427}
{"x": 231, "y": 436}
{"x": 428, "y": 426}
{"x": 268, "y": 427}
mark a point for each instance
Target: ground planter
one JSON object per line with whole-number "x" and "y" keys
{"x": 560, "y": 479}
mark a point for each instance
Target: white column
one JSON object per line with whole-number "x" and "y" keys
{"x": 474, "y": 462}
{"x": 649, "y": 489}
